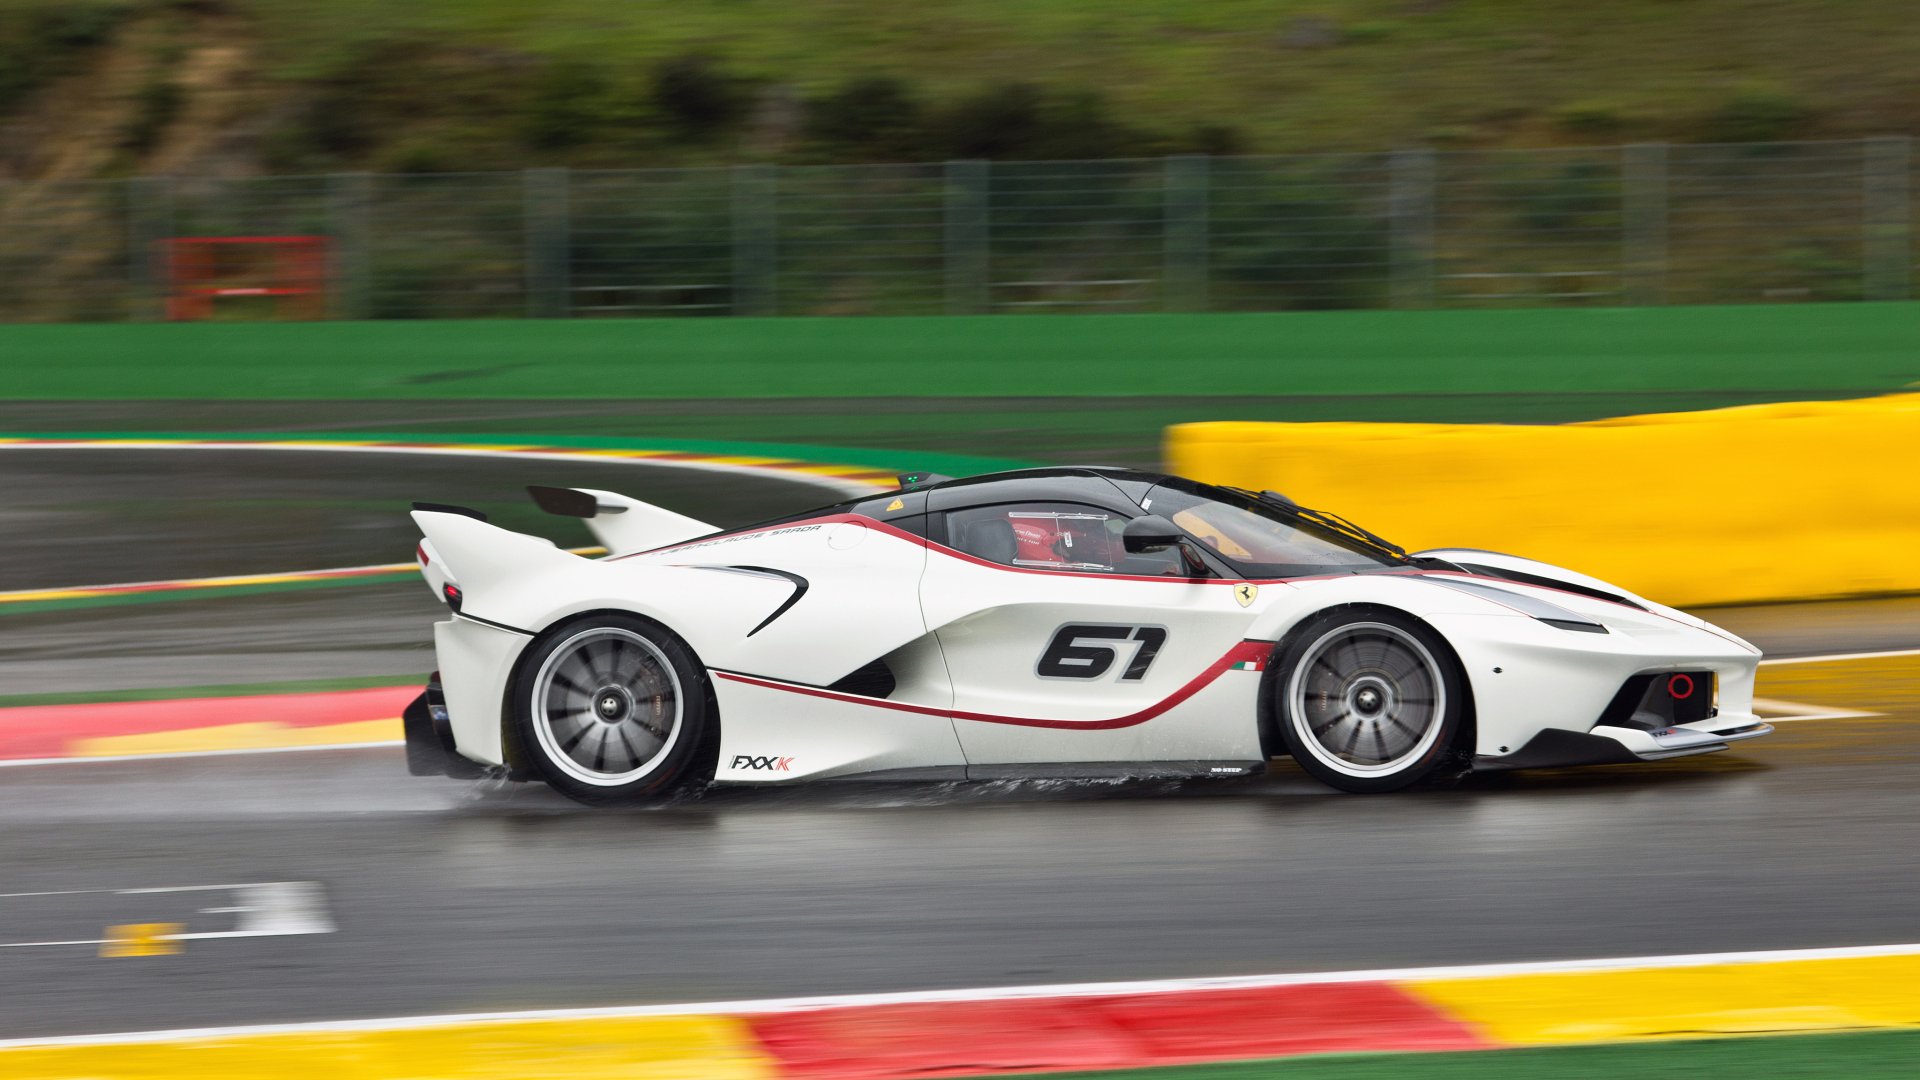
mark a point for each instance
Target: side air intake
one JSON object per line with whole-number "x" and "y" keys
{"x": 874, "y": 680}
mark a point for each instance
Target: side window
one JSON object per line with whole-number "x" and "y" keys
{"x": 1051, "y": 536}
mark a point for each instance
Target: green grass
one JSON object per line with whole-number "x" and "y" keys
{"x": 334, "y": 83}
{"x": 1816, "y": 350}
{"x": 1889, "y": 1055}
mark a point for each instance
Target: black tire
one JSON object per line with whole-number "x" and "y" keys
{"x": 1370, "y": 700}
{"x": 613, "y": 708}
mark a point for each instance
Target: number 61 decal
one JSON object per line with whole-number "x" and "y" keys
{"x": 1089, "y": 650}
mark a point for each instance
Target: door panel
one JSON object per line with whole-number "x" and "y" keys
{"x": 1078, "y": 652}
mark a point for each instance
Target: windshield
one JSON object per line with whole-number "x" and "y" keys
{"x": 1261, "y": 539}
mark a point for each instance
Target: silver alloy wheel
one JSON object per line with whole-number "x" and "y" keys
{"x": 1367, "y": 699}
{"x": 606, "y": 706}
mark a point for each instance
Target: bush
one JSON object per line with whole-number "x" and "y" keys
{"x": 1297, "y": 238}
{"x": 158, "y": 104}
{"x": 868, "y": 116}
{"x": 1592, "y": 117}
{"x": 567, "y": 106}
{"x": 420, "y": 155}
{"x": 698, "y": 97}
{"x": 41, "y": 42}
{"x": 1216, "y": 140}
{"x": 999, "y": 122}
{"x": 1585, "y": 194}
{"x": 369, "y": 102}
{"x": 1021, "y": 121}
{"x": 1756, "y": 112}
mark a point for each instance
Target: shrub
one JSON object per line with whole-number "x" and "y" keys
{"x": 1297, "y": 238}
{"x": 1216, "y": 140}
{"x": 567, "y": 105}
{"x": 1592, "y": 117}
{"x": 868, "y": 115}
{"x": 1023, "y": 121}
{"x": 1756, "y": 112}
{"x": 1583, "y": 194}
{"x": 40, "y": 42}
{"x": 158, "y": 104}
{"x": 998, "y": 122}
{"x": 699, "y": 97}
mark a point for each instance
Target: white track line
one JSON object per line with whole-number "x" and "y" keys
{"x": 1836, "y": 657}
{"x": 219, "y": 582}
{"x": 576, "y": 454}
{"x": 1005, "y": 993}
{"x": 233, "y": 580}
{"x": 1792, "y": 712}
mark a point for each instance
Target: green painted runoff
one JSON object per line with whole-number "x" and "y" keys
{"x": 1889, "y": 1055}
{"x": 1819, "y": 349}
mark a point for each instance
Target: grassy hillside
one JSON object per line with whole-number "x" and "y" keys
{"x": 458, "y": 84}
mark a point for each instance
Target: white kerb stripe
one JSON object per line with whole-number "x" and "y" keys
{"x": 1836, "y": 657}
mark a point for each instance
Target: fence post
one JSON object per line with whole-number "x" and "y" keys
{"x": 546, "y": 258}
{"x": 1185, "y": 285}
{"x": 11, "y": 298}
{"x": 149, "y": 221}
{"x": 349, "y": 201}
{"x": 755, "y": 275}
{"x": 1643, "y": 227}
{"x": 1887, "y": 245}
{"x": 1410, "y": 214}
{"x": 966, "y": 238}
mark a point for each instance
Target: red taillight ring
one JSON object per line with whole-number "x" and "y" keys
{"x": 1680, "y": 687}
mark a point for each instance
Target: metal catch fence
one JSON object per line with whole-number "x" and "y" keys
{"x": 1629, "y": 225}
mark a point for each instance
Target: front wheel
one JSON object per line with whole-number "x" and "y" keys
{"x": 613, "y": 708}
{"x": 1370, "y": 700}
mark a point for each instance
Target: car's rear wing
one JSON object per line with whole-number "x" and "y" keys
{"x": 463, "y": 553}
{"x": 624, "y": 525}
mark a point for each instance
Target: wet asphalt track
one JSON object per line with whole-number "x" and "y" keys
{"x": 454, "y": 896}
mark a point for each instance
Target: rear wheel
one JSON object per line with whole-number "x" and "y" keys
{"x": 1370, "y": 700}
{"x": 613, "y": 708}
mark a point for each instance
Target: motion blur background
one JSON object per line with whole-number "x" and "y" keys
{"x": 270, "y": 269}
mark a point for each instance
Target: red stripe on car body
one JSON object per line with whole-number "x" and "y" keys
{"x": 1240, "y": 653}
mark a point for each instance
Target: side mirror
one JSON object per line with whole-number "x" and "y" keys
{"x": 1144, "y": 535}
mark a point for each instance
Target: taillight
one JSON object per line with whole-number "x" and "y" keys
{"x": 452, "y": 593}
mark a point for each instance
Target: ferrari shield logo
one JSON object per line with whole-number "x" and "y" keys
{"x": 1245, "y": 592}
{"x": 896, "y": 505}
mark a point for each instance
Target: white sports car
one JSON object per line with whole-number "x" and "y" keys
{"x": 1058, "y": 622}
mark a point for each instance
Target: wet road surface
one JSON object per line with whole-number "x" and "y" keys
{"x": 454, "y": 896}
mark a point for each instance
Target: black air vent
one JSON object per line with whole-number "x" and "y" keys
{"x": 874, "y": 680}
{"x": 1525, "y": 578}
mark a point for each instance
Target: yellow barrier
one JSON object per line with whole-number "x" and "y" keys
{"x": 1760, "y": 502}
